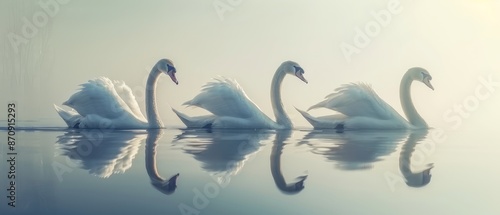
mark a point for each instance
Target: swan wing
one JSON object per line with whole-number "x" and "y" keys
{"x": 99, "y": 97}
{"x": 358, "y": 100}
{"x": 128, "y": 97}
{"x": 225, "y": 97}
{"x": 327, "y": 122}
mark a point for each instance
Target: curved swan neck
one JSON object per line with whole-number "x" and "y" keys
{"x": 279, "y": 112}
{"x": 151, "y": 111}
{"x": 406, "y": 102}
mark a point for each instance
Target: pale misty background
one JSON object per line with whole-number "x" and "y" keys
{"x": 457, "y": 41}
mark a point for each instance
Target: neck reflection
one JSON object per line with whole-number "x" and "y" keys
{"x": 358, "y": 150}
{"x": 166, "y": 186}
{"x": 414, "y": 178}
{"x": 275, "y": 161}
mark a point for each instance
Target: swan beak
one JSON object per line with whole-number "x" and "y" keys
{"x": 427, "y": 82}
{"x": 172, "y": 76}
{"x": 301, "y": 76}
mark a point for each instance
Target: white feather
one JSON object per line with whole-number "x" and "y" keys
{"x": 225, "y": 97}
{"x": 362, "y": 108}
{"x": 128, "y": 97}
{"x": 231, "y": 107}
{"x": 358, "y": 100}
{"x": 359, "y": 107}
{"x": 102, "y": 103}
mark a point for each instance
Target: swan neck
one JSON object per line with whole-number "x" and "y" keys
{"x": 407, "y": 104}
{"x": 151, "y": 111}
{"x": 279, "y": 112}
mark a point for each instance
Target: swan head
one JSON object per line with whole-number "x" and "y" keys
{"x": 422, "y": 75}
{"x": 290, "y": 67}
{"x": 167, "y": 186}
{"x": 166, "y": 66}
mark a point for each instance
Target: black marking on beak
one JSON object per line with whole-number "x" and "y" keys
{"x": 171, "y": 68}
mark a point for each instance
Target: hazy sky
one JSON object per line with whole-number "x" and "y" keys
{"x": 457, "y": 41}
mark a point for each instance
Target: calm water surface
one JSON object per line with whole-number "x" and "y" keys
{"x": 61, "y": 171}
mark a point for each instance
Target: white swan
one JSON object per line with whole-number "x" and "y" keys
{"x": 231, "y": 107}
{"x": 361, "y": 108}
{"x": 102, "y": 103}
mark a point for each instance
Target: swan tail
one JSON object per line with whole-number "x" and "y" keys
{"x": 312, "y": 120}
{"x": 188, "y": 104}
{"x": 328, "y": 122}
{"x": 71, "y": 118}
{"x": 195, "y": 122}
{"x": 316, "y": 106}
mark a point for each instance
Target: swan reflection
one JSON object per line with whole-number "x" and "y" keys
{"x": 354, "y": 150}
{"x": 358, "y": 150}
{"x": 279, "y": 179}
{"x": 414, "y": 178}
{"x": 222, "y": 153}
{"x": 166, "y": 186}
{"x": 101, "y": 152}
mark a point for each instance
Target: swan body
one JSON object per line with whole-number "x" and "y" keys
{"x": 230, "y": 107}
{"x": 103, "y": 103}
{"x": 359, "y": 107}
